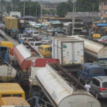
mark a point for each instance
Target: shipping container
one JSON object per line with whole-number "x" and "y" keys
{"x": 69, "y": 51}
{"x": 10, "y": 23}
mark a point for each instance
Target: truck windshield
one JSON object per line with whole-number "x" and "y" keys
{"x": 104, "y": 84}
{"x": 96, "y": 71}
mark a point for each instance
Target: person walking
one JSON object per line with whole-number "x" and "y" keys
{"x": 87, "y": 86}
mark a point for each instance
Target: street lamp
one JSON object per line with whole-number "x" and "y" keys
{"x": 73, "y": 18}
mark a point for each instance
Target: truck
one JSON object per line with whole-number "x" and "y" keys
{"x": 69, "y": 51}
{"x": 63, "y": 90}
{"x": 11, "y": 94}
{"x": 10, "y": 23}
{"x": 36, "y": 65}
{"x": 95, "y": 51}
{"x": 22, "y": 57}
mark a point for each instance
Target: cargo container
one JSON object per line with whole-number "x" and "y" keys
{"x": 63, "y": 91}
{"x": 10, "y": 23}
{"x": 69, "y": 51}
{"x": 95, "y": 51}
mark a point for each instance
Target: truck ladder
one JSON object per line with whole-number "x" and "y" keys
{"x": 9, "y": 72}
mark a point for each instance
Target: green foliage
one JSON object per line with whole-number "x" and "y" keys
{"x": 31, "y": 8}
{"x": 81, "y": 6}
{"x": 63, "y": 8}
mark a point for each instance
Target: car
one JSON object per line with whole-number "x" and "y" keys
{"x": 36, "y": 44}
{"x": 44, "y": 28}
{"x": 89, "y": 70}
{"x": 21, "y": 37}
{"x": 29, "y": 40}
{"x": 102, "y": 38}
{"x": 34, "y": 34}
{"x": 26, "y": 29}
{"x": 104, "y": 41}
{"x": 46, "y": 39}
{"x": 99, "y": 86}
{"x": 52, "y": 30}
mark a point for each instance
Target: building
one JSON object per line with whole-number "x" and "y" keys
{"x": 103, "y": 9}
{"x": 85, "y": 16}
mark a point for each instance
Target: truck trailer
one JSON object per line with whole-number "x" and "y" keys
{"x": 63, "y": 91}
{"x": 69, "y": 51}
{"x": 95, "y": 51}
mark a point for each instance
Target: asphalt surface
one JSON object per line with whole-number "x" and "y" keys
{"x": 6, "y": 37}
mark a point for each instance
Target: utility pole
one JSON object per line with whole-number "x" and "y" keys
{"x": 24, "y": 8}
{"x": 0, "y": 6}
{"x": 73, "y": 19}
{"x": 41, "y": 11}
{"x": 12, "y": 5}
{"x": 93, "y": 17}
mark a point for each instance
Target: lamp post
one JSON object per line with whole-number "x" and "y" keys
{"x": 73, "y": 18}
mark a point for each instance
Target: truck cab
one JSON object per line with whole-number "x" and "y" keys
{"x": 89, "y": 70}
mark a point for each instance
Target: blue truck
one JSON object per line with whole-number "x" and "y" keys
{"x": 89, "y": 70}
{"x": 4, "y": 53}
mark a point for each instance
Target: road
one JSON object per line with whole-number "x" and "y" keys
{"x": 6, "y": 37}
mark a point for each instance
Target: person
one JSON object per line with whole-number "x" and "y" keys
{"x": 87, "y": 86}
{"x": 91, "y": 34}
{"x": 56, "y": 33}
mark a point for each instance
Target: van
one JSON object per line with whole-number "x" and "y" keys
{"x": 44, "y": 50}
{"x": 7, "y": 101}
{"x": 6, "y": 44}
{"x": 89, "y": 70}
{"x": 11, "y": 90}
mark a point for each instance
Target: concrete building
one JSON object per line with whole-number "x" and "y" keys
{"x": 103, "y": 10}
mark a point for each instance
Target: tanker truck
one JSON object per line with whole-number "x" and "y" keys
{"x": 63, "y": 90}
{"x": 95, "y": 51}
{"x": 21, "y": 58}
{"x": 7, "y": 72}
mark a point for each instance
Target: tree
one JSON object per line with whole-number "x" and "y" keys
{"x": 63, "y": 8}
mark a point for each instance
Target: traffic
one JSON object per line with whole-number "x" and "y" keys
{"x": 49, "y": 68}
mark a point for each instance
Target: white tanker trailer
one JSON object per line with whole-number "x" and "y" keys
{"x": 62, "y": 93}
{"x": 94, "y": 51}
{"x": 7, "y": 72}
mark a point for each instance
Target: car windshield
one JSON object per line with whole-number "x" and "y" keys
{"x": 96, "y": 71}
{"x": 47, "y": 38}
{"x": 104, "y": 84}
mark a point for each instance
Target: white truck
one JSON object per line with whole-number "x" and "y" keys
{"x": 69, "y": 51}
{"x": 61, "y": 92}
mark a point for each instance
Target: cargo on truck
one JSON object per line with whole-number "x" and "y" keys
{"x": 10, "y": 23}
{"x": 63, "y": 91}
{"x": 69, "y": 51}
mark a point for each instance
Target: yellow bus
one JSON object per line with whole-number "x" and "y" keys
{"x": 11, "y": 90}
{"x": 9, "y": 101}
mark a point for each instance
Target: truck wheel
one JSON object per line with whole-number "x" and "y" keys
{"x": 96, "y": 95}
